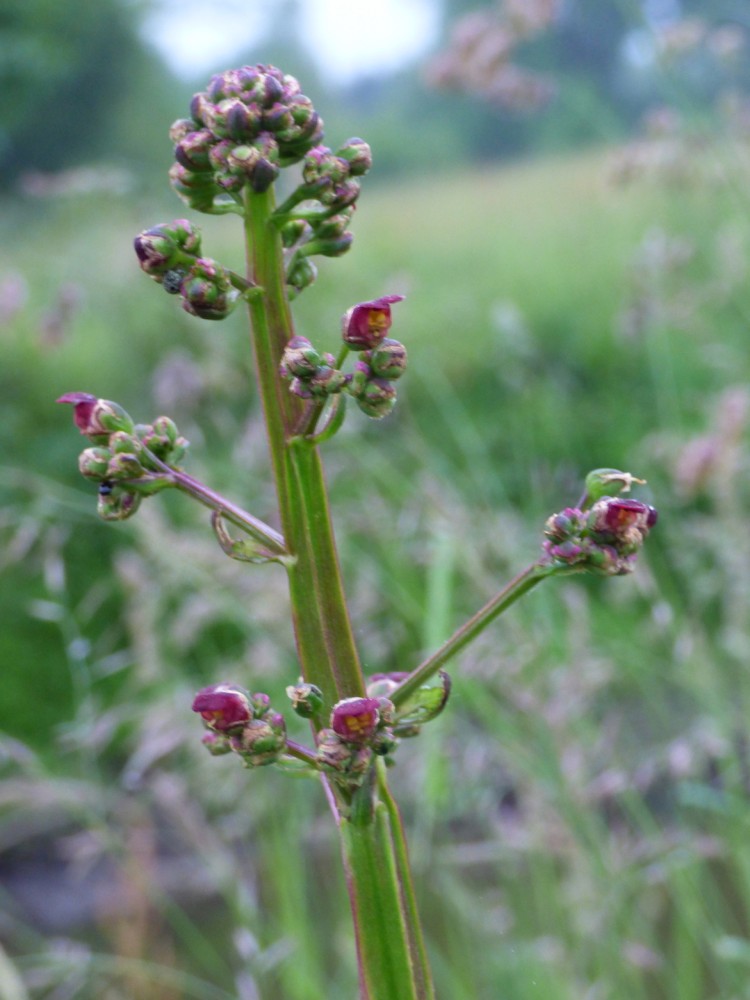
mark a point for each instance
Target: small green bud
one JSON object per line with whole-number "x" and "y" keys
{"x": 207, "y": 291}
{"x": 166, "y": 427}
{"x": 335, "y": 246}
{"x": 387, "y": 360}
{"x": 93, "y": 462}
{"x": 327, "y": 381}
{"x": 306, "y": 699}
{"x": 299, "y": 359}
{"x": 115, "y": 503}
{"x": 302, "y": 274}
{"x": 294, "y": 231}
{"x": 376, "y": 398}
{"x": 357, "y": 154}
{"x": 163, "y": 247}
{"x": 216, "y": 743}
{"x": 261, "y": 741}
{"x": 124, "y": 466}
{"x": 605, "y": 482}
{"x": 192, "y": 150}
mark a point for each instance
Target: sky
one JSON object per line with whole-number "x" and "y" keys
{"x": 353, "y": 38}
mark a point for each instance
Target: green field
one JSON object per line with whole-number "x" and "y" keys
{"x": 579, "y": 816}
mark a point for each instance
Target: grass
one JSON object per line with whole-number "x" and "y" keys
{"x": 578, "y": 817}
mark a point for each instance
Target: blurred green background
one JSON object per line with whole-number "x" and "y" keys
{"x": 565, "y": 206}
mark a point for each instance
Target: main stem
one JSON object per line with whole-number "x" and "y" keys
{"x": 390, "y": 949}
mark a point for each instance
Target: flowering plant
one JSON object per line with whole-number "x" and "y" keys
{"x": 247, "y": 126}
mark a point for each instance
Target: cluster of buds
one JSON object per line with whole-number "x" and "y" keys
{"x": 242, "y": 129}
{"x": 310, "y": 374}
{"x": 604, "y": 539}
{"x": 127, "y": 460}
{"x": 330, "y": 179}
{"x": 382, "y": 360}
{"x": 170, "y": 253}
{"x": 241, "y": 723}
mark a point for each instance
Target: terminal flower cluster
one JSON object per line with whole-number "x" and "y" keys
{"x": 604, "y": 539}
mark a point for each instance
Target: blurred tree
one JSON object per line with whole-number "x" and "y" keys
{"x": 64, "y": 71}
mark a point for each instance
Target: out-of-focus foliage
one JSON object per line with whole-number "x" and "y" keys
{"x": 75, "y": 83}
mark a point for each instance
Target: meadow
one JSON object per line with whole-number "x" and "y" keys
{"x": 578, "y": 817}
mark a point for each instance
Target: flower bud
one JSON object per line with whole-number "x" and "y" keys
{"x": 355, "y": 720}
{"x": 302, "y": 274}
{"x": 180, "y": 128}
{"x": 321, "y": 164}
{"x": 93, "y": 462}
{"x": 197, "y": 190}
{"x": 332, "y": 753}
{"x": 357, "y": 155}
{"x": 300, "y": 358}
{"x": 206, "y": 290}
{"x": 261, "y": 741}
{"x": 327, "y": 381}
{"x": 124, "y": 465}
{"x": 163, "y": 247}
{"x": 335, "y": 246}
{"x": 365, "y": 325}
{"x": 340, "y": 196}
{"x": 193, "y": 149}
{"x": 306, "y": 699}
{"x": 216, "y": 744}
{"x": 625, "y": 522}
{"x": 388, "y": 359}
{"x": 115, "y": 503}
{"x": 602, "y": 482}
{"x": 340, "y": 757}
{"x": 377, "y": 399}
{"x": 383, "y": 685}
{"x": 294, "y": 231}
{"x": 260, "y": 704}
{"x": 223, "y": 707}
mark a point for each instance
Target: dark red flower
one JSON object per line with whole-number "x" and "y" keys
{"x": 83, "y": 411}
{"x": 97, "y": 418}
{"x": 365, "y": 325}
{"x": 223, "y": 707}
{"x": 356, "y": 720}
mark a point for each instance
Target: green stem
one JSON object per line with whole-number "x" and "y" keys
{"x": 325, "y": 641}
{"x": 253, "y": 526}
{"x": 517, "y": 587}
{"x": 387, "y": 966}
{"x": 390, "y": 950}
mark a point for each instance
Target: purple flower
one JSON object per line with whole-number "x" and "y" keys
{"x": 365, "y": 325}
{"x": 83, "y": 410}
{"x": 223, "y": 707}
{"x": 97, "y": 418}
{"x": 355, "y": 720}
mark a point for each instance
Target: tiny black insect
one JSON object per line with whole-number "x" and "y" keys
{"x": 172, "y": 280}
{"x": 105, "y": 487}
